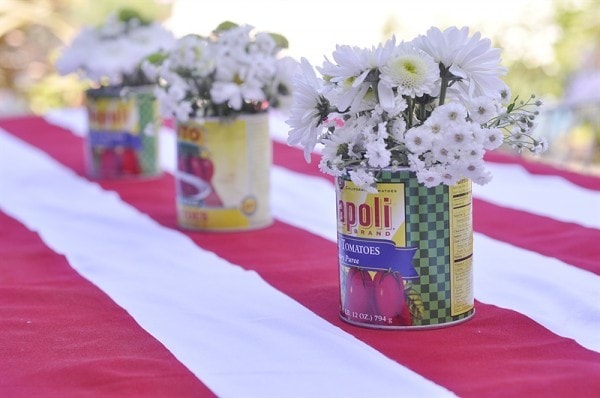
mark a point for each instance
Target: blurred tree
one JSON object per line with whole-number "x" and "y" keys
{"x": 571, "y": 127}
{"x": 578, "y": 33}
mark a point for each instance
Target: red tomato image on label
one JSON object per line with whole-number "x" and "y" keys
{"x": 359, "y": 304}
{"x": 182, "y": 161}
{"x": 202, "y": 167}
{"x": 184, "y": 164}
{"x": 390, "y": 299}
{"x": 109, "y": 163}
{"x": 130, "y": 164}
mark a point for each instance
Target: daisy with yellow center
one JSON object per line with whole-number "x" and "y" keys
{"x": 411, "y": 72}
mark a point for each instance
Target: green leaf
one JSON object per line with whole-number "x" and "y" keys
{"x": 280, "y": 40}
{"x": 157, "y": 58}
{"x": 127, "y": 14}
{"x": 225, "y": 26}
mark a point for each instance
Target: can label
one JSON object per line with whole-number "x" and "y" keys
{"x": 122, "y": 134}
{"x": 223, "y": 173}
{"x": 405, "y": 253}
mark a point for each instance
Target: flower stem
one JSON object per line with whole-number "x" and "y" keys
{"x": 443, "y": 88}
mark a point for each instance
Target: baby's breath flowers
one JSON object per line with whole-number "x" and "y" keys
{"x": 435, "y": 104}
{"x": 235, "y": 69}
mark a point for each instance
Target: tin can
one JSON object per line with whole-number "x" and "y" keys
{"x": 223, "y": 173}
{"x": 122, "y": 138}
{"x": 405, "y": 253}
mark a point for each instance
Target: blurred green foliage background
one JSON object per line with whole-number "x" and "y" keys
{"x": 31, "y": 34}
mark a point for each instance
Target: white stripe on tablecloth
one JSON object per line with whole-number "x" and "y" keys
{"x": 551, "y": 288}
{"x": 512, "y": 186}
{"x": 73, "y": 119}
{"x": 550, "y": 196}
{"x": 239, "y": 335}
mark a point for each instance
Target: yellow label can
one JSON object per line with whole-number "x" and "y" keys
{"x": 223, "y": 173}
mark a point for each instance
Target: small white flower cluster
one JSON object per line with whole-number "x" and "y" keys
{"x": 234, "y": 70}
{"x": 110, "y": 54}
{"x": 435, "y": 104}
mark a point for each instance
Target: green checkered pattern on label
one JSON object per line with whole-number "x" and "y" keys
{"x": 428, "y": 228}
{"x": 149, "y": 126}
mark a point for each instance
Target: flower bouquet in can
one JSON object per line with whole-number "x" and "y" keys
{"x": 434, "y": 104}
{"x": 234, "y": 70}
{"x": 109, "y": 55}
{"x": 123, "y": 118}
{"x": 219, "y": 89}
{"x": 404, "y": 127}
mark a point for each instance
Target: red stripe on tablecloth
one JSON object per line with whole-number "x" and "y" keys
{"x": 537, "y": 167}
{"x": 476, "y": 358}
{"x": 568, "y": 242}
{"x": 60, "y": 336}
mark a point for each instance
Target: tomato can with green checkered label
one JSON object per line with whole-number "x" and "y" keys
{"x": 122, "y": 137}
{"x": 405, "y": 252}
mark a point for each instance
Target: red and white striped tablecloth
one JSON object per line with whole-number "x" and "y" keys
{"x": 101, "y": 294}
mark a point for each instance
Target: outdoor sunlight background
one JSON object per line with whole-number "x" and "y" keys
{"x": 531, "y": 34}
{"x": 551, "y": 47}
{"x": 314, "y": 27}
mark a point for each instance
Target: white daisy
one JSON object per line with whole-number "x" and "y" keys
{"x": 194, "y": 55}
{"x": 377, "y": 154}
{"x": 470, "y": 58}
{"x": 429, "y": 177}
{"x": 456, "y": 136}
{"x": 398, "y": 128}
{"x": 450, "y": 174}
{"x": 347, "y": 74}
{"x": 234, "y": 94}
{"x": 482, "y": 109}
{"x": 363, "y": 179}
{"x": 451, "y": 113}
{"x": 410, "y": 71}
{"x": 418, "y": 140}
{"x": 341, "y": 143}
{"x": 482, "y": 177}
{"x": 475, "y": 151}
{"x": 334, "y": 166}
{"x": 473, "y": 169}
{"x": 442, "y": 152}
{"x": 493, "y": 139}
{"x": 478, "y": 134}
{"x": 305, "y": 116}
